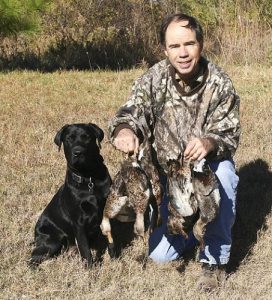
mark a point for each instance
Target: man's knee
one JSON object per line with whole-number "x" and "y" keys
{"x": 159, "y": 257}
{"x": 164, "y": 248}
{"x": 226, "y": 174}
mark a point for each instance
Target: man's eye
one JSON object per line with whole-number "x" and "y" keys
{"x": 190, "y": 44}
{"x": 173, "y": 46}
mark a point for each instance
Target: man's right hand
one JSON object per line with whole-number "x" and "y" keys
{"x": 126, "y": 141}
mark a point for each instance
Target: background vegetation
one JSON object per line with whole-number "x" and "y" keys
{"x": 20, "y": 16}
{"x": 91, "y": 34}
{"x": 34, "y": 106}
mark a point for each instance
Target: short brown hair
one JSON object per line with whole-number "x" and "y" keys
{"x": 192, "y": 24}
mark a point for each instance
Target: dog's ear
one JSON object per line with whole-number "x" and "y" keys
{"x": 59, "y": 136}
{"x": 98, "y": 133}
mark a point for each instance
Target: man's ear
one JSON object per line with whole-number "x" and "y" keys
{"x": 98, "y": 132}
{"x": 59, "y": 136}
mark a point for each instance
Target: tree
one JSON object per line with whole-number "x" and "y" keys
{"x": 20, "y": 16}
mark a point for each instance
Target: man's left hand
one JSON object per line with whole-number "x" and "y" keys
{"x": 198, "y": 148}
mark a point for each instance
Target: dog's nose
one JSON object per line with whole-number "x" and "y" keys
{"x": 77, "y": 151}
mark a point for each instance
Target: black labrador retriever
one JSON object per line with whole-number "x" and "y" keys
{"x": 74, "y": 214}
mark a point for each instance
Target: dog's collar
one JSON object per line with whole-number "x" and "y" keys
{"x": 82, "y": 180}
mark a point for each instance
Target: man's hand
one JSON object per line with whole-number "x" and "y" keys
{"x": 198, "y": 148}
{"x": 126, "y": 141}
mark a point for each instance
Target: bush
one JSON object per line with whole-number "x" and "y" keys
{"x": 20, "y": 16}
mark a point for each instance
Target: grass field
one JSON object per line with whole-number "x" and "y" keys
{"x": 34, "y": 106}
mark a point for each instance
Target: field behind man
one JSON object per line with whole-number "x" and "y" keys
{"x": 34, "y": 106}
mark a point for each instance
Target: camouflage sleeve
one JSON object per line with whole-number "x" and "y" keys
{"x": 224, "y": 123}
{"x": 134, "y": 113}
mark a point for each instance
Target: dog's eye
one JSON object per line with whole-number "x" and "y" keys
{"x": 70, "y": 138}
{"x": 85, "y": 137}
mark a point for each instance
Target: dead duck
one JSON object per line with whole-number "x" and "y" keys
{"x": 134, "y": 187}
{"x": 193, "y": 197}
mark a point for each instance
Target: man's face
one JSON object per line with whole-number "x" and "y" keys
{"x": 182, "y": 49}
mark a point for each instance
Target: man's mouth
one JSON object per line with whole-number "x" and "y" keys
{"x": 185, "y": 64}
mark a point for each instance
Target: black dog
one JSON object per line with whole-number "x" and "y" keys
{"x": 75, "y": 212}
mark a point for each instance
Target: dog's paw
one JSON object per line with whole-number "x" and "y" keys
{"x": 34, "y": 262}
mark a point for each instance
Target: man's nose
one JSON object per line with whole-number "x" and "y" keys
{"x": 183, "y": 52}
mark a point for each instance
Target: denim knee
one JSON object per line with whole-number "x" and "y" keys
{"x": 218, "y": 233}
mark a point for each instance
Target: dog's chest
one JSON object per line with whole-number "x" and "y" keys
{"x": 82, "y": 205}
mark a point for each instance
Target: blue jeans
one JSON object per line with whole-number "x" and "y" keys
{"x": 164, "y": 248}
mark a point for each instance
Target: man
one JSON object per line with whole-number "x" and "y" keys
{"x": 186, "y": 105}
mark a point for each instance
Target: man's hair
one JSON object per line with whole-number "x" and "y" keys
{"x": 193, "y": 24}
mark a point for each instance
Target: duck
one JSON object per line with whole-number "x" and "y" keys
{"x": 194, "y": 197}
{"x": 135, "y": 186}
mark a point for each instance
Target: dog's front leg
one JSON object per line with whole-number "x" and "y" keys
{"x": 83, "y": 245}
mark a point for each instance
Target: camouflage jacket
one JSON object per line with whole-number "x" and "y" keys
{"x": 169, "y": 115}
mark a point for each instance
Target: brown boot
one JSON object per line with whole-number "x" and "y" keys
{"x": 212, "y": 276}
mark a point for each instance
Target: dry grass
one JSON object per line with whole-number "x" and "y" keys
{"x": 34, "y": 106}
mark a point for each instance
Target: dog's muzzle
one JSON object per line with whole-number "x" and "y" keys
{"x": 77, "y": 151}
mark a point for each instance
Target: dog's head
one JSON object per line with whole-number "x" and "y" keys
{"x": 81, "y": 143}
